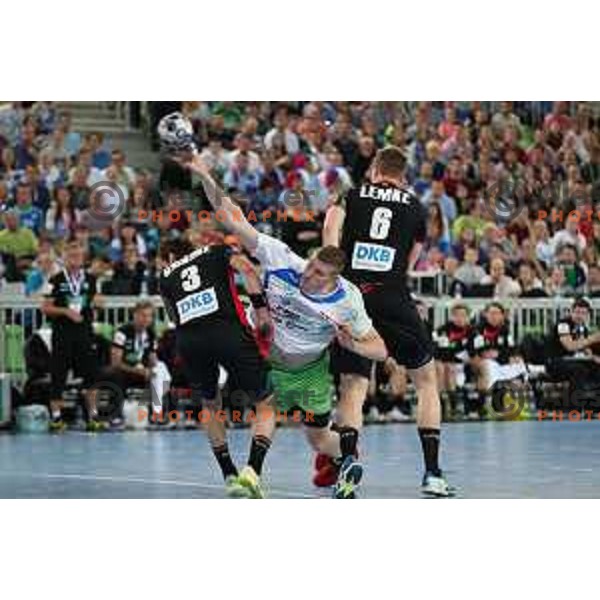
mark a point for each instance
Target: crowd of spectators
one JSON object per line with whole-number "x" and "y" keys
{"x": 462, "y": 156}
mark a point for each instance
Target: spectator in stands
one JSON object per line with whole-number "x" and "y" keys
{"x": 29, "y": 216}
{"x": 570, "y": 234}
{"x": 84, "y": 163}
{"x": 123, "y": 174}
{"x": 568, "y": 259}
{"x": 474, "y": 220}
{"x": 364, "y": 157}
{"x": 531, "y": 286}
{"x": 470, "y": 273}
{"x": 243, "y": 146}
{"x": 504, "y": 286}
{"x": 504, "y": 118}
{"x": 113, "y": 176}
{"x": 437, "y": 193}
{"x": 130, "y": 274}
{"x": 437, "y": 230}
{"x": 287, "y": 138}
{"x": 215, "y": 158}
{"x": 26, "y": 150}
{"x": 49, "y": 172}
{"x": 100, "y": 155}
{"x": 593, "y": 281}
{"x": 18, "y": 245}
{"x": 556, "y": 283}
{"x": 544, "y": 249}
{"x": 61, "y": 218}
{"x": 241, "y": 178}
{"x": 3, "y": 195}
{"x": 127, "y": 235}
{"x": 42, "y": 270}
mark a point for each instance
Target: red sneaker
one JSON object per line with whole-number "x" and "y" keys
{"x": 327, "y": 475}
{"x": 326, "y": 470}
{"x": 321, "y": 460}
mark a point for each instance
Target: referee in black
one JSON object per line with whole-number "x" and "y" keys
{"x": 69, "y": 303}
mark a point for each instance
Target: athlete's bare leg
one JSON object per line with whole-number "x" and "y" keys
{"x": 324, "y": 440}
{"x": 352, "y": 394}
{"x": 429, "y": 412}
{"x": 429, "y": 416}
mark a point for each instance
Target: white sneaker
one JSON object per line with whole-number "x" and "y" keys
{"x": 436, "y": 486}
{"x": 397, "y": 416}
{"x": 374, "y": 416}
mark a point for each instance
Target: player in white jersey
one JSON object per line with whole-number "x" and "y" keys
{"x": 311, "y": 305}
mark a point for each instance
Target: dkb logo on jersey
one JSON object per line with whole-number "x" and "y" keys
{"x": 372, "y": 257}
{"x": 197, "y": 305}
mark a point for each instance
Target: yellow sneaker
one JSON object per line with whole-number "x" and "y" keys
{"x": 94, "y": 425}
{"x": 251, "y": 481}
{"x": 234, "y": 489}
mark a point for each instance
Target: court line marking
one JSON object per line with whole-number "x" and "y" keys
{"x": 174, "y": 482}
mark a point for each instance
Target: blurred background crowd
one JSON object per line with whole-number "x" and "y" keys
{"x": 459, "y": 155}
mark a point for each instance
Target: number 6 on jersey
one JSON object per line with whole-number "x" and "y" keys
{"x": 380, "y": 223}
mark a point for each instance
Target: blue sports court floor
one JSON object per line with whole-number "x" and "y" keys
{"x": 484, "y": 460}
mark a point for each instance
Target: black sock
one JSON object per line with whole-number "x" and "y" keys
{"x": 348, "y": 441}
{"x": 258, "y": 450}
{"x": 430, "y": 442}
{"x": 224, "y": 459}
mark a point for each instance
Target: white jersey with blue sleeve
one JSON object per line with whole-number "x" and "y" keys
{"x": 305, "y": 324}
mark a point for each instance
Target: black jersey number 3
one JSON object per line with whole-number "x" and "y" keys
{"x": 190, "y": 279}
{"x": 381, "y": 222}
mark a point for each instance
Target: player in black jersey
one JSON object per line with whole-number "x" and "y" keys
{"x": 133, "y": 356}
{"x": 494, "y": 355}
{"x": 451, "y": 350}
{"x": 381, "y": 225}
{"x": 69, "y": 304}
{"x": 199, "y": 293}
{"x": 575, "y": 349}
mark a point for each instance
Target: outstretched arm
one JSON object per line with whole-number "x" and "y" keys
{"x": 230, "y": 214}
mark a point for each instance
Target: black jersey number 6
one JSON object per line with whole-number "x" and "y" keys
{"x": 380, "y": 223}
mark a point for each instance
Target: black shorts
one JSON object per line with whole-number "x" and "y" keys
{"x": 76, "y": 350}
{"x": 395, "y": 317}
{"x": 203, "y": 347}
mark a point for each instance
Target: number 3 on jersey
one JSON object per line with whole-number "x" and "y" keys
{"x": 380, "y": 223}
{"x": 190, "y": 279}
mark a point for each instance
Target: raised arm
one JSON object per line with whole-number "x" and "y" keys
{"x": 334, "y": 221}
{"x": 230, "y": 214}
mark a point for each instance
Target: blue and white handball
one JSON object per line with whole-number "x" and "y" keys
{"x": 176, "y": 133}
